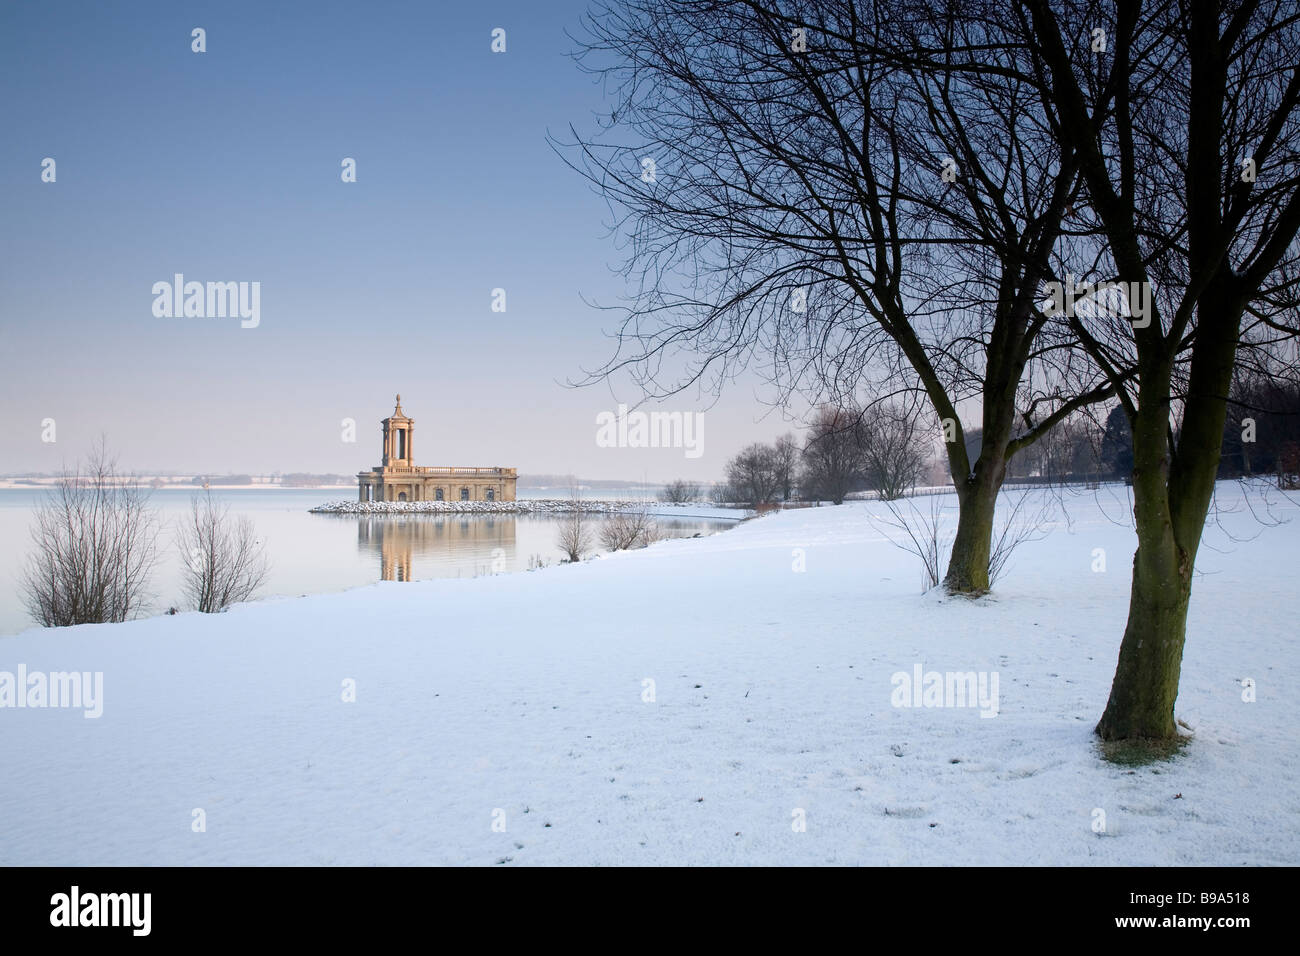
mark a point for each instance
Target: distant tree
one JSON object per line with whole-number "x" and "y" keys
{"x": 224, "y": 563}
{"x": 1117, "y": 444}
{"x": 752, "y": 475}
{"x": 1068, "y": 450}
{"x": 206, "y": 480}
{"x": 721, "y": 493}
{"x": 893, "y": 450}
{"x": 1263, "y": 416}
{"x": 94, "y": 547}
{"x": 1084, "y": 458}
{"x": 1288, "y": 467}
{"x": 786, "y": 461}
{"x": 681, "y": 492}
{"x": 1236, "y": 455}
{"x": 300, "y": 480}
{"x": 1056, "y": 458}
{"x": 832, "y": 456}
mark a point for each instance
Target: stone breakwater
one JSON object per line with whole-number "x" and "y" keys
{"x": 527, "y": 506}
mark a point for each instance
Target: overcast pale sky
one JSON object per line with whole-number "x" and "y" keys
{"x": 225, "y": 166}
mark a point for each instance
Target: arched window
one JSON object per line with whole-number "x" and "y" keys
{"x": 437, "y": 495}
{"x": 464, "y": 494}
{"x": 491, "y": 494}
{"x": 401, "y": 496}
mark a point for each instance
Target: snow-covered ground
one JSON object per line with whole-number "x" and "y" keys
{"x": 507, "y": 718}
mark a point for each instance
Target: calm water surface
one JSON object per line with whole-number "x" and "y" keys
{"x": 313, "y": 554}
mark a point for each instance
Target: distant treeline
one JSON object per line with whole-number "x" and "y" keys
{"x": 1268, "y": 411}
{"x": 297, "y": 479}
{"x": 849, "y": 450}
{"x": 565, "y": 481}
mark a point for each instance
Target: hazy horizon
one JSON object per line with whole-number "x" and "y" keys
{"x": 526, "y": 479}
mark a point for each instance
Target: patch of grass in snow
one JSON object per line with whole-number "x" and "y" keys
{"x": 1142, "y": 752}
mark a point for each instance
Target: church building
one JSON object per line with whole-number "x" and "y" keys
{"x": 397, "y": 478}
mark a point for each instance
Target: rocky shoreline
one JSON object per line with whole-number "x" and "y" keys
{"x": 523, "y": 506}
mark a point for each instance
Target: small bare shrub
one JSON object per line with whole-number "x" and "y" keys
{"x": 917, "y": 532}
{"x": 1026, "y": 521}
{"x": 575, "y": 534}
{"x": 629, "y": 529}
{"x": 94, "y": 547}
{"x": 224, "y": 563}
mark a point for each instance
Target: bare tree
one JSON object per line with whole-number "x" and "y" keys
{"x": 832, "y": 456}
{"x": 94, "y": 543}
{"x": 633, "y": 528}
{"x": 721, "y": 493}
{"x": 893, "y": 451}
{"x": 785, "y": 462}
{"x": 1263, "y": 411}
{"x": 1240, "y": 415}
{"x": 223, "y": 562}
{"x": 1288, "y": 467}
{"x": 858, "y": 193}
{"x": 1188, "y": 142}
{"x": 575, "y": 534}
{"x": 1070, "y": 449}
{"x": 681, "y": 492}
{"x": 753, "y": 475}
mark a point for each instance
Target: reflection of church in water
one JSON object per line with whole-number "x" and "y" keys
{"x": 470, "y": 545}
{"x": 398, "y": 479}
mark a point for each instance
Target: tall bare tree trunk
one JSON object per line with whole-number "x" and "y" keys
{"x": 978, "y": 484}
{"x": 1170, "y": 504}
{"x": 968, "y": 565}
{"x": 1142, "y": 694}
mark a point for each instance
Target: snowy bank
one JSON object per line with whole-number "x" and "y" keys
{"x": 728, "y": 699}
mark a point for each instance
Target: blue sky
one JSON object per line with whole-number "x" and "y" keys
{"x": 225, "y": 166}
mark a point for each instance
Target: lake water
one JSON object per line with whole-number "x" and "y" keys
{"x": 313, "y": 554}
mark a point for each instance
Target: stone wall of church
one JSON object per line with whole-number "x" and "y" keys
{"x": 436, "y": 488}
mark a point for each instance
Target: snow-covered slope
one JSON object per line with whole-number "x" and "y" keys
{"x": 520, "y": 701}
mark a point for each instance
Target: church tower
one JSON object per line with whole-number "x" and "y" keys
{"x": 397, "y": 438}
{"x": 398, "y": 478}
